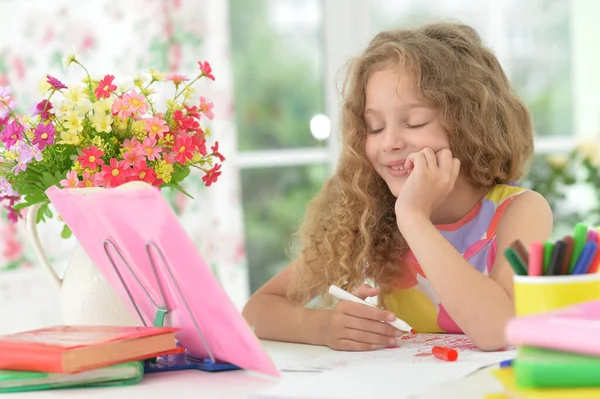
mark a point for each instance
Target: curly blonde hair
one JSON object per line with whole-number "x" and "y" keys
{"x": 349, "y": 233}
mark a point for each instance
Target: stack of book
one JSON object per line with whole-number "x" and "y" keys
{"x": 84, "y": 356}
{"x": 558, "y": 355}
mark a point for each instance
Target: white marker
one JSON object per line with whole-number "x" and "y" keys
{"x": 346, "y": 296}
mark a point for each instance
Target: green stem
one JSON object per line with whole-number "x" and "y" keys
{"x": 89, "y": 79}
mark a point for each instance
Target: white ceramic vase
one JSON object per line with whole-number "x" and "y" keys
{"x": 86, "y": 297}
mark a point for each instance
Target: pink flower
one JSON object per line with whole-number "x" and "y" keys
{"x": 211, "y": 176}
{"x": 151, "y": 150}
{"x": 91, "y": 158}
{"x": 88, "y": 180}
{"x": 129, "y": 145}
{"x": 135, "y": 102}
{"x": 133, "y": 156}
{"x": 43, "y": 109}
{"x": 43, "y": 135}
{"x": 115, "y": 174}
{"x": 105, "y": 87}
{"x": 206, "y": 108}
{"x": 184, "y": 149}
{"x": 121, "y": 109}
{"x": 206, "y": 69}
{"x": 55, "y": 83}
{"x": 71, "y": 181}
{"x": 12, "y": 133}
{"x": 155, "y": 127}
{"x": 177, "y": 79}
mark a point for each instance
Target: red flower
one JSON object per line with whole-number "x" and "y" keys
{"x": 211, "y": 176}
{"x": 105, "y": 87}
{"x": 91, "y": 158}
{"x": 115, "y": 174}
{"x": 215, "y": 151}
{"x": 142, "y": 172}
{"x": 184, "y": 149}
{"x": 206, "y": 69}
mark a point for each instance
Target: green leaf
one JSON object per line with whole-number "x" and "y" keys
{"x": 66, "y": 232}
{"x": 179, "y": 174}
{"x": 48, "y": 180}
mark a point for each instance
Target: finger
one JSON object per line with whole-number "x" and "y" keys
{"x": 409, "y": 164}
{"x": 365, "y": 311}
{"x": 455, "y": 168}
{"x": 444, "y": 160}
{"x": 420, "y": 163}
{"x": 365, "y": 291}
{"x": 430, "y": 158}
{"x": 368, "y": 337}
{"x": 353, "y": 346}
{"x": 373, "y": 326}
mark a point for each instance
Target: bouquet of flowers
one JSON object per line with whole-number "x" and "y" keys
{"x": 96, "y": 134}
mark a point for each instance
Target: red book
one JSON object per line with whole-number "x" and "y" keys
{"x": 70, "y": 349}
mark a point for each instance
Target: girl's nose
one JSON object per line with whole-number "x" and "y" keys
{"x": 393, "y": 140}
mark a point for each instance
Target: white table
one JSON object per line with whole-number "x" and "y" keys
{"x": 241, "y": 384}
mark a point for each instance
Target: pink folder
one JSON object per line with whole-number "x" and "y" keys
{"x": 123, "y": 221}
{"x": 572, "y": 329}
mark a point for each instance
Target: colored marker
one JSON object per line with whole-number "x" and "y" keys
{"x": 520, "y": 249}
{"x": 536, "y": 259}
{"x": 506, "y": 363}
{"x": 548, "y": 249}
{"x": 346, "y": 296}
{"x": 569, "y": 243}
{"x": 579, "y": 237}
{"x": 515, "y": 262}
{"x": 558, "y": 255}
{"x": 447, "y": 354}
{"x": 596, "y": 261}
{"x": 592, "y": 235}
{"x": 587, "y": 255}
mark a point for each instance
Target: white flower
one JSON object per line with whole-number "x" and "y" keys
{"x": 68, "y": 59}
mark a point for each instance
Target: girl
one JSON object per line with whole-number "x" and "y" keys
{"x": 420, "y": 204}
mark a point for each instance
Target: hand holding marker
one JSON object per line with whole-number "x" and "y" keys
{"x": 572, "y": 255}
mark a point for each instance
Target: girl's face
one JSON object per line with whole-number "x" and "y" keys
{"x": 398, "y": 124}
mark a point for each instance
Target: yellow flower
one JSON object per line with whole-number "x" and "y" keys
{"x": 148, "y": 92}
{"x": 121, "y": 124}
{"x": 98, "y": 142}
{"x": 68, "y": 59}
{"x": 76, "y": 94}
{"x": 166, "y": 141}
{"x": 102, "y": 122}
{"x": 10, "y": 156}
{"x": 83, "y": 106}
{"x": 164, "y": 170}
{"x": 103, "y": 105}
{"x": 43, "y": 86}
{"x": 557, "y": 161}
{"x": 137, "y": 127}
{"x": 77, "y": 168}
{"x": 197, "y": 157}
{"x": 73, "y": 122}
{"x": 140, "y": 135}
{"x": 138, "y": 81}
{"x": 590, "y": 149}
{"x": 70, "y": 137}
{"x": 207, "y": 132}
{"x": 158, "y": 76}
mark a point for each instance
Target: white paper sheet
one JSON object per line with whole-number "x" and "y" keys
{"x": 401, "y": 372}
{"x": 412, "y": 348}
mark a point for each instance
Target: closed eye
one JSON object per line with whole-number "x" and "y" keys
{"x": 373, "y": 131}
{"x": 416, "y": 126}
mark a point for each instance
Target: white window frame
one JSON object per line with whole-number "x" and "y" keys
{"x": 347, "y": 30}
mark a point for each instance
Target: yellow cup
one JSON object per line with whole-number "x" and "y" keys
{"x": 541, "y": 294}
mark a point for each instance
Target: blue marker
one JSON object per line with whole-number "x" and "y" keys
{"x": 587, "y": 255}
{"x": 506, "y": 363}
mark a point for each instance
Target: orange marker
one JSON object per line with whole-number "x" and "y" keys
{"x": 446, "y": 354}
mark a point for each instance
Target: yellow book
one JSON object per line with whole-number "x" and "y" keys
{"x": 507, "y": 378}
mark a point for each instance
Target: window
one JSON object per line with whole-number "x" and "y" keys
{"x": 277, "y": 54}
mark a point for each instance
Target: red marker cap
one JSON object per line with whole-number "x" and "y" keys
{"x": 447, "y": 354}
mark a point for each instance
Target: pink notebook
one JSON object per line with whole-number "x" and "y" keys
{"x": 573, "y": 329}
{"x": 130, "y": 217}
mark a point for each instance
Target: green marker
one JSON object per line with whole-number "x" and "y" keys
{"x": 515, "y": 261}
{"x": 548, "y": 249}
{"x": 580, "y": 236}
